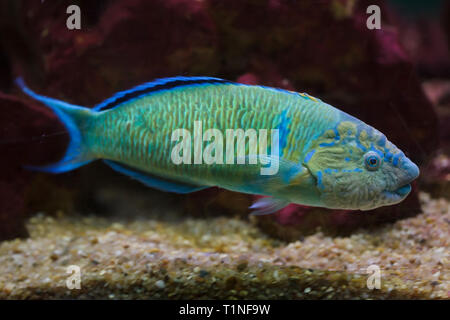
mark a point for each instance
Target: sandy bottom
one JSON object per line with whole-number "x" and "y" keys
{"x": 225, "y": 258}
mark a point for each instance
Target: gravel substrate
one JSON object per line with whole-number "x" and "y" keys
{"x": 225, "y": 258}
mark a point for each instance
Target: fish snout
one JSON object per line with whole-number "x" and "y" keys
{"x": 409, "y": 173}
{"x": 411, "y": 170}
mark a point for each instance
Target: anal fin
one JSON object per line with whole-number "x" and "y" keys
{"x": 153, "y": 181}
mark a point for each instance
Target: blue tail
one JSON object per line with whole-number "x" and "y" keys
{"x": 74, "y": 119}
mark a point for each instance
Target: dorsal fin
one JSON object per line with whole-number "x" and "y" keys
{"x": 155, "y": 86}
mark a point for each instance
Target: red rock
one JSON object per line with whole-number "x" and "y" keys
{"x": 131, "y": 42}
{"x": 423, "y": 32}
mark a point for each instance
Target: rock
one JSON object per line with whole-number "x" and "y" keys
{"x": 121, "y": 45}
{"x": 436, "y": 175}
{"x": 424, "y": 35}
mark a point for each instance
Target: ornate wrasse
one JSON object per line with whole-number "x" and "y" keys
{"x": 324, "y": 157}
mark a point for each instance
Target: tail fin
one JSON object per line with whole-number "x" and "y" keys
{"x": 73, "y": 117}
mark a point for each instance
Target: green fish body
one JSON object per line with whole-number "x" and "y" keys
{"x": 185, "y": 134}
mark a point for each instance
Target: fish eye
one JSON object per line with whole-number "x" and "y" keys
{"x": 372, "y": 160}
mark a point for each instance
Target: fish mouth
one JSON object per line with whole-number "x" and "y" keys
{"x": 404, "y": 184}
{"x": 404, "y": 190}
{"x": 399, "y": 193}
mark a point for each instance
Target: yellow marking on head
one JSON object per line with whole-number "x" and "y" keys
{"x": 363, "y": 139}
{"x": 329, "y": 134}
{"x": 347, "y": 128}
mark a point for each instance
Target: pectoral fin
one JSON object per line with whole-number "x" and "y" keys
{"x": 293, "y": 180}
{"x": 268, "y": 205}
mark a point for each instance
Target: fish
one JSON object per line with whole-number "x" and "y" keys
{"x": 320, "y": 155}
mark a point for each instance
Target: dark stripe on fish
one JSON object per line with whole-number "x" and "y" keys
{"x": 141, "y": 91}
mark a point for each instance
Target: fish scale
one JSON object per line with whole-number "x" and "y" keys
{"x": 192, "y": 102}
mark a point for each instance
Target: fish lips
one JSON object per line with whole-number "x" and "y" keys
{"x": 404, "y": 186}
{"x": 398, "y": 194}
